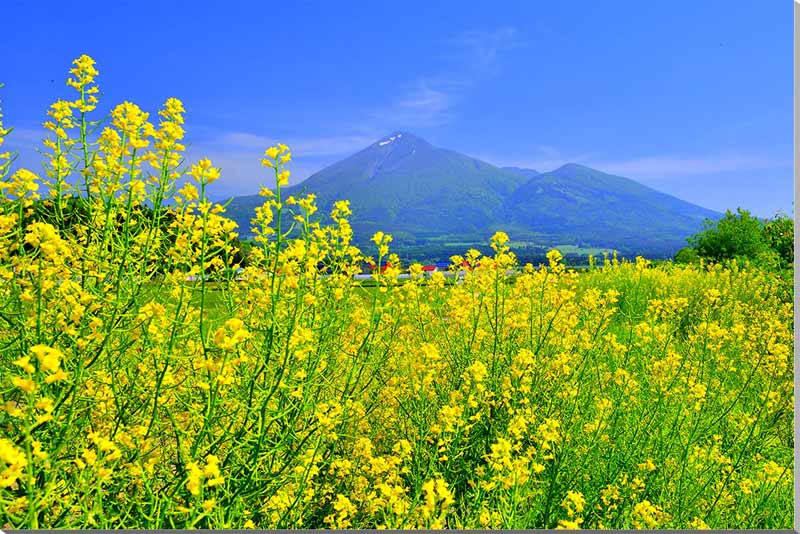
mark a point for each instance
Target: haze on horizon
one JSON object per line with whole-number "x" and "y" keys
{"x": 691, "y": 99}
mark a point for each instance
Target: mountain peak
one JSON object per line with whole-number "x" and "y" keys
{"x": 399, "y": 136}
{"x": 572, "y": 167}
{"x": 390, "y": 138}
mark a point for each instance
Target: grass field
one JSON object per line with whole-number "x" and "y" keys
{"x": 625, "y": 396}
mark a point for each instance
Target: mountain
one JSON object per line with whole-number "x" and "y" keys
{"x": 426, "y": 196}
{"x": 404, "y": 185}
{"x": 599, "y": 208}
{"x": 527, "y": 173}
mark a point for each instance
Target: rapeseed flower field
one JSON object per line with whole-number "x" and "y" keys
{"x": 151, "y": 381}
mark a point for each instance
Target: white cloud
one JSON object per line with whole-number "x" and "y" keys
{"x": 430, "y": 100}
{"x": 650, "y": 168}
{"x": 427, "y": 101}
{"x": 26, "y": 137}
{"x": 239, "y": 156}
{"x": 669, "y": 166}
{"x": 26, "y": 142}
{"x": 542, "y": 158}
{"x": 484, "y": 46}
{"x": 301, "y": 146}
{"x": 421, "y": 106}
{"x": 242, "y": 173}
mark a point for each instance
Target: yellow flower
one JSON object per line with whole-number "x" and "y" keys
{"x": 209, "y": 504}
{"x": 648, "y": 515}
{"x": 478, "y": 371}
{"x": 56, "y": 377}
{"x": 12, "y": 463}
{"x": 25, "y": 384}
{"x": 203, "y": 172}
{"x": 194, "y": 478}
{"x": 498, "y": 241}
{"x": 698, "y": 524}
{"x": 344, "y": 511}
{"x": 37, "y": 450}
{"x": 573, "y": 503}
{"x": 84, "y": 72}
{"x": 173, "y": 110}
{"x": 647, "y": 465}
{"x": 45, "y": 404}
{"x": 25, "y": 364}
{"x": 49, "y": 358}
{"x": 554, "y": 256}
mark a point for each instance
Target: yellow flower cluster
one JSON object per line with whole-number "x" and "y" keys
{"x": 159, "y": 374}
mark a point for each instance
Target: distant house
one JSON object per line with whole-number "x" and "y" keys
{"x": 444, "y": 266}
{"x": 372, "y": 267}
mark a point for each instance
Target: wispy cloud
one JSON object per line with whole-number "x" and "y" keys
{"x": 426, "y": 100}
{"x": 27, "y": 136}
{"x": 239, "y": 154}
{"x": 650, "y": 168}
{"x": 542, "y": 158}
{"x": 483, "y": 47}
{"x": 431, "y": 99}
{"x": 242, "y": 172}
{"x": 301, "y": 146}
{"x": 26, "y": 142}
{"x": 425, "y": 104}
{"x": 670, "y": 166}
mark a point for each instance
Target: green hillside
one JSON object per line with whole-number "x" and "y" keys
{"x": 430, "y": 198}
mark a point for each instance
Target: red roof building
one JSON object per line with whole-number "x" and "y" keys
{"x": 385, "y": 266}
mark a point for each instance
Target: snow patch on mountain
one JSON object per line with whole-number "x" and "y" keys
{"x": 392, "y": 138}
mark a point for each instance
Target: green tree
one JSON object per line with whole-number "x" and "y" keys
{"x": 686, "y": 255}
{"x": 779, "y": 236}
{"x": 736, "y": 235}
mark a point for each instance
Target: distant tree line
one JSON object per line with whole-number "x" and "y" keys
{"x": 72, "y": 213}
{"x": 768, "y": 243}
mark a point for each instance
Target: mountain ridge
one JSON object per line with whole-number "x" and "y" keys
{"x": 403, "y": 185}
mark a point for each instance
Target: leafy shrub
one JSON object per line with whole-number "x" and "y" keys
{"x": 768, "y": 244}
{"x": 779, "y": 236}
{"x": 735, "y": 235}
{"x": 687, "y": 255}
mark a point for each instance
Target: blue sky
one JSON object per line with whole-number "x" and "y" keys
{"x": 691, "y": 98}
